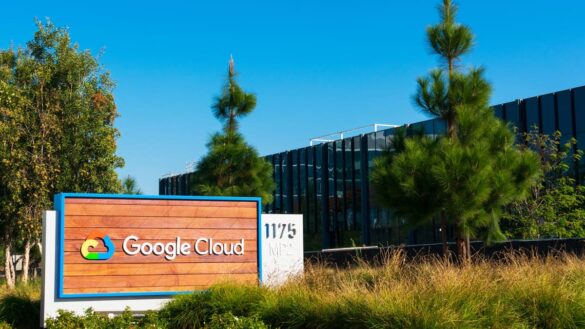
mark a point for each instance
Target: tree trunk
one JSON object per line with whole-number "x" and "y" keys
{"x": 13, "y": 268}
{"x": 8, "y": 266}
{"x": 462, "y": 250}
{"x": 462, "y": 247}
{"x": 26, "y": 261}
{"x": 468, "y": 247}
{"x": 40, "y": 245}
{"x": 444, "y": 235}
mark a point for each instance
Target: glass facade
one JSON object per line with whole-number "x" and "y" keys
{"x": 329, "y": 183}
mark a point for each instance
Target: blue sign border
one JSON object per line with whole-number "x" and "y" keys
{"x": 60, "y": 208}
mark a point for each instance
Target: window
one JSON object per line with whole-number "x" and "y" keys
{"x": 278, "y": 184}
{"x": 357, "y": 174}
{"x": 294, "y": 156}
{"x": 340, "y": 186}
{"x": 331, "y": 198}
{"x": 284, "y": 181}
{"x": 303, "y": 183}
{"x": 320, "y": 185}
{"x": 350, "y": 220}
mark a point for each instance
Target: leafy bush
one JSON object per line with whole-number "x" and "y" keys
{"x": 230, "y": 321}
{"x": 93, "y": 320}
{"x": 196, "y": 310}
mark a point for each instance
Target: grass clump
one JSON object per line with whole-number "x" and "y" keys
{"x": 20, "y": 308}
{"x": 514, "y": 291}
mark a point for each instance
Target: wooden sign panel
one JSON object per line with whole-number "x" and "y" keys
{"x": 112, "y": 245}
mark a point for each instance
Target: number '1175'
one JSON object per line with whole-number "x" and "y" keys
{"x": 278, "y": 231}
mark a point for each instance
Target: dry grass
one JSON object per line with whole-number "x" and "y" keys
{"x": 514, "y": 292}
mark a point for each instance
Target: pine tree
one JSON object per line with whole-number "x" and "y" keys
{"x": 232, "y": 167}
{"x": 469, "y": 175}
{"x": 233, "y": 103}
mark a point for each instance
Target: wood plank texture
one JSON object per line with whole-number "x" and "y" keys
{"x": 77, "y": 233}
{"x": 154, "y": 202}
{"x": 121, "y": 258}
{"x": 158, "y": 211}
{"x": 160, "y": 269}
{"x": 157, "y": 221}
{"x": 115, "y": 281}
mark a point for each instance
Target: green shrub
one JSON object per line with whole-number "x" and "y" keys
{"x": 93, "y": 320}
{"x": 21, "y": 307}
{"x": 195, "y": 310}
{"x": 230, "y": 321}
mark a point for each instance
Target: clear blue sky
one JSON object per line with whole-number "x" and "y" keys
{"x": 316, "y": 68}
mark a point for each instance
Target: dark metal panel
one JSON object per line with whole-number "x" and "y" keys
{"x": 498, "y": 111}
{"x": 324, "y": 196}
{"x": 513, "y": 115}
{"x": 365, "y": 198}
{"x": 532, "y": 113}
{"x": 579, "y": 112}
{"x": 547, "y": 112}
{"x": 565, "y": 114}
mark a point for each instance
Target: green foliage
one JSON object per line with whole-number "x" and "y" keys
{"x": 233, "y": 103}
{"x": 21, "y": 307}
{"x": 232, "y": 167}
{"x": 129, "y": 186}
{"x": 57, "y": 131}
{"x": 230, "y": 321}
{"x": 469, "y": 175}
{"x": 94, "y": 320}
{"x": 197, "y": 310}
{"x": 555, "y": 207}
{"x": 513, "y": 292}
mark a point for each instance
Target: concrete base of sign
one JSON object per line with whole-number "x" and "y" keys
{"x": 282, "y": 257}
{"x": 282, "y": 248}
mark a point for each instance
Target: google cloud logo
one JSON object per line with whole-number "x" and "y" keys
{"x": 92, "y": 241}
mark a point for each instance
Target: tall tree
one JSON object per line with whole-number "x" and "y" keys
{"x": 233, "y": 103}
{"x": 12, "y": 156}
{"x": 232, "y": 167}
{"x": 467, "y": 176}
{"x": 65, "y": 124}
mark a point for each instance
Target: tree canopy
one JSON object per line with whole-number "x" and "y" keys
{"x": 467, "y": 176}
{"x": 56, "y": 129}
{"x": 232, "y": 167}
